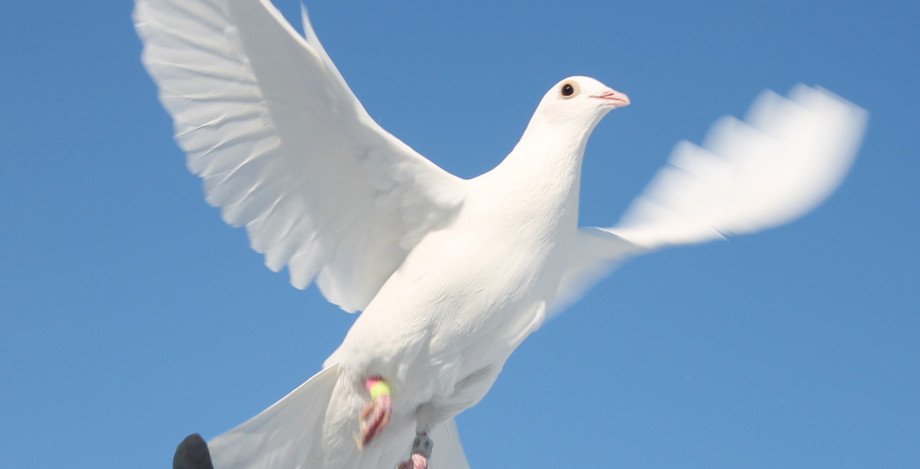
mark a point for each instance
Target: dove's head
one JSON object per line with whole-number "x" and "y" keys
{"x": 581, "y": 101}
{"x": 565, "y": 118}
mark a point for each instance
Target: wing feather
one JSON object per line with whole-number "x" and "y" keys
{"x": 785, "y": 159}
{"x": 285, "y": 149}
{"x": 788, "y": 157}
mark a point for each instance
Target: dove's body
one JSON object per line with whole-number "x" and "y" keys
{"x": 521, "y": 218}
{"x": 441, "y": 331}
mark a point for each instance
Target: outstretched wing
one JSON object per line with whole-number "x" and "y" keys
{"x": 286, "y": 149}
{"x": 748, "y": 176}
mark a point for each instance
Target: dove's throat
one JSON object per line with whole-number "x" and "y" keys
{"x": 544, "y": 168}
{"x": 534, "y": 192}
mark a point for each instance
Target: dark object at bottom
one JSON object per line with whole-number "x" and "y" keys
{"x": 192, "y": 453}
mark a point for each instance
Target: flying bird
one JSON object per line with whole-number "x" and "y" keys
{"x": 450, "y": 275}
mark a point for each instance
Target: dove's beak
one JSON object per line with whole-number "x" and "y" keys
{"x": 614, "y": 98}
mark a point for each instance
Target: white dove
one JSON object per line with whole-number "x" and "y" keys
{"x": 451, "y": 274}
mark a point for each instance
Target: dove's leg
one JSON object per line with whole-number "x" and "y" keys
{"x": 467, "y": 392}
{"x": 376, "y": 416}
{"x": 421, "y": 452}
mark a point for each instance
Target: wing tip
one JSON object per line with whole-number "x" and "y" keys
{"x": 802, "y": 145}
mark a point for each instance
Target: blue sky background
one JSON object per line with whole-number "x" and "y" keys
{"x": 131, "y": 316}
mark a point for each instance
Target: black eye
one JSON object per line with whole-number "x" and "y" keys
{"x": 568, "y": 90}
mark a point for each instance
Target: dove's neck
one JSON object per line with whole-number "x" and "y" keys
{"x": 539, "y": 180}
{"x": 549, "y": 156}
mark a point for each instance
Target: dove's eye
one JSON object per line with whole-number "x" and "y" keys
{"x": 568, "y": 89}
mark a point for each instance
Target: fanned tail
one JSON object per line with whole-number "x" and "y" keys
{"x": 286, "y": 435}
{"x": 289, "y": 435}
{"x": 448, "y": 451}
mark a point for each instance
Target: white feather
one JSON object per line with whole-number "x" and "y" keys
{"x": 785, "y": 159}
{"x": 318, "y": 184}
{"x": 289, "y": 433}
{"x": 748, "y": 176}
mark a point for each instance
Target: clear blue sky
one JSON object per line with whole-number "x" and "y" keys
{"x": 131, "y": 316}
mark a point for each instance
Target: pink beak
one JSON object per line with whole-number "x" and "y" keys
{"x": 615, "y": 98}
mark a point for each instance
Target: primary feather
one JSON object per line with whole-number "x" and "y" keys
{"x": 451, "y": 274}
{"x": 781, "y": 162}
{"x": 787, "y": 157}
{"x": 319, "y": 186}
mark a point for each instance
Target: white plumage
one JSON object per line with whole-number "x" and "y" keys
{"x": 451, "y": 274}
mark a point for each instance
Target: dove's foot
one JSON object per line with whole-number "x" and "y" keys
{"x": 376, "y": 416}
{"x": 416, "y": 461}
{"x": 421, "y": 451}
